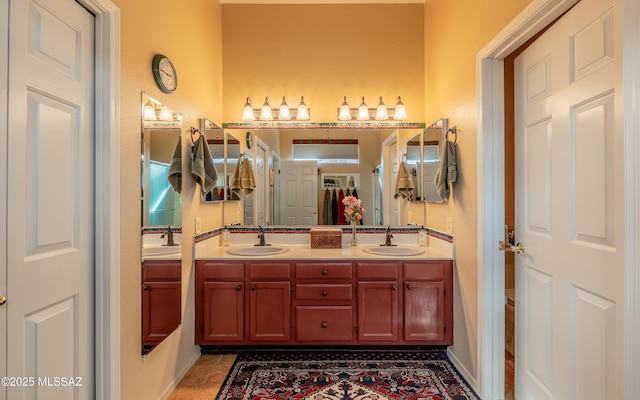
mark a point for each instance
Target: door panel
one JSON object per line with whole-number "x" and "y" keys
{"x": 50, "y": 201}
{"x": 570, "y": 279}
{"x": 299, "y": 203}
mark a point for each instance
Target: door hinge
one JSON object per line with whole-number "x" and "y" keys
{"x": 357, "y": 328}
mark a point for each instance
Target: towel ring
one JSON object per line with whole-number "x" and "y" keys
{"x": 404, "y": 158}
{"x": 193, "y": 132}
{"x": 454, "y": 131}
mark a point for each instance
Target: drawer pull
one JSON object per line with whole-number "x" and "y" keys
{"x": 394, "y": 287}
{"x": 145, "y": 287}
{"x": 238, "y": 288}
{"x": 253, "y": 287}
{"x": 409, "y": 287}
{"x": 324, "y": 324}
{"x": 325, "y": 272}
{"x": 324, "y": 293}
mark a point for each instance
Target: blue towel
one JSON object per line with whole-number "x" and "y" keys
{"x": 175, "y": 168}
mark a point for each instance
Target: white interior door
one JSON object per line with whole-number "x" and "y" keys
{"x": 569, "y": 282}
{"x": 299, "y": 200}
{"x": 50, "y": 245}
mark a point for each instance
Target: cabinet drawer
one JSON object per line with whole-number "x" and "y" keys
{"x": 337, "y": 270}
{"x": 427, "y": 270}
{"x": 377, "y": 270}
{"x": 324, "y": 324}
{"x": 161, "y": 271}
{"x": 269, "y": 270}
{"x": 323, "y": 292}
{"x": 217, "y": 271}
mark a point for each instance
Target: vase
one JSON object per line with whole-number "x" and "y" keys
{"x": 354, "y": 239}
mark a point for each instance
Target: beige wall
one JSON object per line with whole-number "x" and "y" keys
{"x": 323, "y": 52}
{"x": 454, "y": 33}
{"x": 190, "y": 34}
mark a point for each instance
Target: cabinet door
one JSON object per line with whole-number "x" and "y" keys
{"x": 223, "y": 311}
{"x": 424, "y": 311}
{"x": 270, "y": 311}
{"x": 378, "y": 311}
{"x": 161, "y": 303}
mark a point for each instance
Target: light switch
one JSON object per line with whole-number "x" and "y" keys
{"x": 450, "y": 225}
{"x": 198, "y": 226}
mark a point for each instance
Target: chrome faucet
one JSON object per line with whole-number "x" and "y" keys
{"x": 169, "y": 235}
{"x": 261, "y": 237}
{"x": 387, "y": 239}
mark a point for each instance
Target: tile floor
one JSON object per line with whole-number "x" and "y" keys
{"x": 205, "y": 378}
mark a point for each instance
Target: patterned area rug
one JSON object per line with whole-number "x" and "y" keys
{"x": 345, "y": 376}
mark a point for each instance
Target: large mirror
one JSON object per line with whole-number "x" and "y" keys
{"x": 423, "y": 160}
{"x": 215, "y": 137}
{"x": 161, "y": 253}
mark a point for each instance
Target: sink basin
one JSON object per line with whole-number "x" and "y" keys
{"x": 257, "y": 250}
{"x": 167, "y": 251}
{"x": 394, "y": 250}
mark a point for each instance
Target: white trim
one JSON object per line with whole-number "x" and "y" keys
{"x": 4, "y": 135}
{"x": 468, "y": 376}
{"x": 631, "y": 84}
{"x": 107, "y": 207}
{"x": 490, "y": 170}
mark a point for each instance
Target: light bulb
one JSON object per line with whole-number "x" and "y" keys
{"x": 400, "y": 113}
{"x": 149, "y": 112}
{"x": 363, "y": 111}
{"x": 265, "y": 113}
{"x": 247, "y": 111}
{"x": 284, "y": 113}
{"x": 303, "y": 111}
{"x": 165, "y": 114}
{"x": 381, "y": 111}
{"x": 345, "y": 112}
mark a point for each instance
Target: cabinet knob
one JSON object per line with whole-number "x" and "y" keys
{"x": 324, "y": 293}
{"x": 253, "y": 287}
{"x": 325, "y": 272}
{"x": 145, "y": 287}
{"x": 394, "y": 287}
{"x": 324, "y": 324}
{"x": 238, "y": 288}
{"x": 409, "y": 287}
{"x": 3, "y": 300}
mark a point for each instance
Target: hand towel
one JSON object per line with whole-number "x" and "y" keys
{"x": 447, "y": 170}
{"x": 175, "y": 168}
{"x": 247, "y": 180}
{"x": 236, "y": 183}
{"x": 404, "y": 183}
{"x": 202, "y": 166}
{"x": 326, "y": 208}
{"x": 334, "y": 207}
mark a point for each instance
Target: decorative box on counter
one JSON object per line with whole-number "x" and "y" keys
{"x": 326, "y": 238}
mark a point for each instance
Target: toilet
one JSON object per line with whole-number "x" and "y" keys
{"x": 509, "y": 320}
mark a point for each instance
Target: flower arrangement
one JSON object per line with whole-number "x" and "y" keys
{"x": 352, "y": 209}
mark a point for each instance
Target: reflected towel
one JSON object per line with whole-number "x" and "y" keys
{"x": 447, "y": 170}
{"x": 202, "y": 167}
{"x": 175, "y": 168}
{"x": 247, "y": 181}
{"x": 236, "y": 183}
{"x": 404, "y": 183}
{"x": 326, "y": 208}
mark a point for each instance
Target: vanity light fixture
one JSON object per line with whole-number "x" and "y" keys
{"x": 380, "y": 113}
{"x": 165, "y": 114}
{"x": 265, "y": 113}
{"x": 282, "y": 113}
{"x": 149, "y": 111}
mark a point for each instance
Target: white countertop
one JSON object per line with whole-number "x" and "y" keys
{"x": 305, "y": 252}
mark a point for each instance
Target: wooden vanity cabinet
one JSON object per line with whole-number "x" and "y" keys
{"x": 161, "y": 299}
{"x": 220, "y": 310}
{"x": 378, "y": 293}
{"x": 428, "y": 303}
{"x": 270, "y": 302}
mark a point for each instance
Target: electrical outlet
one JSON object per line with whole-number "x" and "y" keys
{"x": 450, "y": 225}
{"x": 198, "y": 226}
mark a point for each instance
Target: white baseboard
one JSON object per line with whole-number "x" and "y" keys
{"x": 471, "y": 380}
{"x": 167, "y": 392}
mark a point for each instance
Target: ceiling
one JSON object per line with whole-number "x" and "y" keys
{"x": 321, "y": 1}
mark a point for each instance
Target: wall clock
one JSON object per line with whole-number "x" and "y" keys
{"x": 249, "y": 140}
{"x": 164, "y": 73}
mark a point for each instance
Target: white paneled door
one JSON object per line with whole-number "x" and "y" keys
{"x": 299, "y": 198}
{"x": 50, "y": 251}
{"x": 569, "y": 281}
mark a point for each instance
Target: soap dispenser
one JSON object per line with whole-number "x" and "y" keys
{"x": 226, "y": 236}
{"x": 422, "y": 237}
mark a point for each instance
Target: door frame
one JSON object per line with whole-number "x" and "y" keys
{"x": 490, "y": 176}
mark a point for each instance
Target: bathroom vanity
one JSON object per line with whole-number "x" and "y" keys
{"x": 324, "y": 297}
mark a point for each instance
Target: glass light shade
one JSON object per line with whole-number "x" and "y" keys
{"x": 345, "y": 112}
{"x": 265, "y": 113}
{"x": 284, "y": 114}
{"x": 149, "y": 112}
{"x": 400, "y": 112}
{"x": 363, "y": 111}
{"x": 165, "y": 114}
{"x": 381, "y": 111}
{"x": 303, "y": 111}
{"x": 247, "y": 111}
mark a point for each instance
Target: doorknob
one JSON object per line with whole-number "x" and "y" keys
{"x": 518, "y": 249}
{"x": 3, "y": 300}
